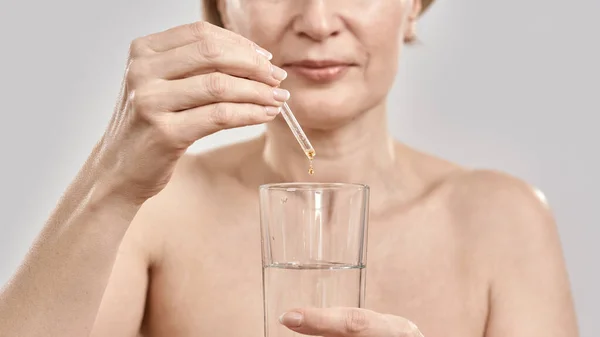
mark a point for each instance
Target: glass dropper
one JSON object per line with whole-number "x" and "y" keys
{"x": 297, "y": 131}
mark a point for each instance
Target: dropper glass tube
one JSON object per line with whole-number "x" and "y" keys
{"x": 291, "y": 121}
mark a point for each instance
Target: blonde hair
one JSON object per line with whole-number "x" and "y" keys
{"x": 210, "y": 11}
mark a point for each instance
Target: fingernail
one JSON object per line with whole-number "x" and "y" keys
{"x": 263, "y": 52}
{"x": 291, "y": 319}
{"x": 278, "y": 73}
{"x": 272, "y": 110}
{"x": 281, "y": 95}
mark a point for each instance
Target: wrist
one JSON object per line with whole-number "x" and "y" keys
{"x": 109, "y": 184}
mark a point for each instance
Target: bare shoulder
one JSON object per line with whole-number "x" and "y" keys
{"x": 507, "y": 231}
{"x": 192, "y": 189}
{"x": 488, "y": 197}
{"x": 484, "y": 201}
{"x": 162, "y": 222}
{"x": 503, "y": 219}
{"x": 216, "y": 165}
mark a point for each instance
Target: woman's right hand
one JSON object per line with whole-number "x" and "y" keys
{"x": 181, "y": 85}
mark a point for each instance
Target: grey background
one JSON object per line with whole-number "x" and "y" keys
{"x": 510, "y": 85}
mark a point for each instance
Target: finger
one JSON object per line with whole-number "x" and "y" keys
{"x": 194, "y": 32}
{"x": 200, "y": 122}
{"x": 335, "y": 322}
{"x": 212, "y": 88}
{"x": 211, "y": 55}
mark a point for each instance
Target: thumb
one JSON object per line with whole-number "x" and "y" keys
{"x": 336, "y": 322}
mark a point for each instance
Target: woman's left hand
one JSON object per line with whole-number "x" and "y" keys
{"x": 345, "y": 322}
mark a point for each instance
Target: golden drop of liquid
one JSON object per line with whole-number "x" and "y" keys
{"x": 311, "y": 155}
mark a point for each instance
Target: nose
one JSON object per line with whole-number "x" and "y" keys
{"x": 317, "y": 20}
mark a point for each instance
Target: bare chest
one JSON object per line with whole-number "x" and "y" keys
{"x": 209, "y": 282}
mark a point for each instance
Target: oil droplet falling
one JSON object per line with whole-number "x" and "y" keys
{"x": 310, "y": 154}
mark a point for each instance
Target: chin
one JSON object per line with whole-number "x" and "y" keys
{"x": 329, "y": 108}
{"x": 321, "y": 112}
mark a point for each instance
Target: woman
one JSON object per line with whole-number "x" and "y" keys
{"x": 458, "y": 252}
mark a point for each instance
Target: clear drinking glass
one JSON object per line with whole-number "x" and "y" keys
{"x": 313, "y": 248}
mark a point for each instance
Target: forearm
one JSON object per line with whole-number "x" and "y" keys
{"x": 59, "y": 287}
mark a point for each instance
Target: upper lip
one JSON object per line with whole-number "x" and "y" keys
{"x": 318, "y": 63}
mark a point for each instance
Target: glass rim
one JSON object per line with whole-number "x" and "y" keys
{"x": 305, "y": 186}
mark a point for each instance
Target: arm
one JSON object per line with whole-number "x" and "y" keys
{"x": 171, "y": 97}
{"x": 58, "y": 288}
{"x": 122, "y": 308}
{"x": 515, "y": 243}
{"x": 530, "y": 293}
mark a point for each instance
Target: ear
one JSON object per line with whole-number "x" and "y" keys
{"x": 222, "y": 13}
{"x": 411, "y": 25}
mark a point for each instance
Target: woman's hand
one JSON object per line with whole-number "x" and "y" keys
{"x": 342, "y": 322}
{"x": 181, "y": 85}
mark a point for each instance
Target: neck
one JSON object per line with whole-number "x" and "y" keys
{"x": 359, "y": 152}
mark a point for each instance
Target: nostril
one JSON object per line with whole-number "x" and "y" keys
{"x": 317, "y": 36}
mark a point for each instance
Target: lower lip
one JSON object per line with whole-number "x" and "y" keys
{"x": 323, "y": 74}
